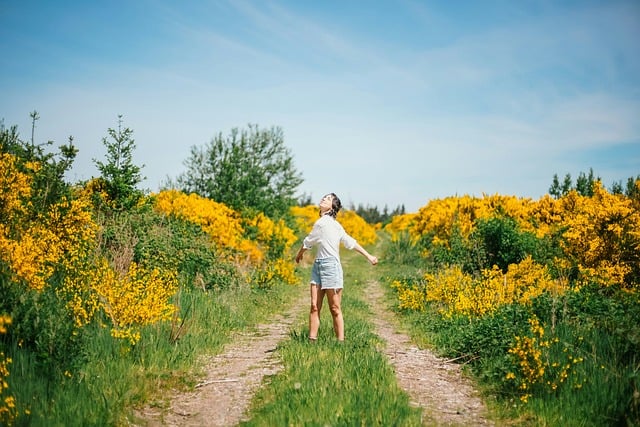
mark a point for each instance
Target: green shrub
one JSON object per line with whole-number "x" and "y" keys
{"x": 456, "y": 252}
{"x": 166, "y": 242}
{"x": 493, "y": 241}
{"x": 42, "y": 326}
{"x": 499, "y": 241}
{"x": 402, "y": 251}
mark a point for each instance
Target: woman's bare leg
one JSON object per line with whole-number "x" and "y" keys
{"x": 317, "y": 295}
{"x": 334, "y": 297}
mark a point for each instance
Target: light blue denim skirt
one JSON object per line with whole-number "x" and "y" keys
{"x": 327, "y": 273}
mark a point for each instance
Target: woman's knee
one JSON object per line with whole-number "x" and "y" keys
{"x": 335, "y": 309}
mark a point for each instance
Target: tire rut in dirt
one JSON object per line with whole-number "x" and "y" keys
{"x": 232, "y": 377}
{"x": 439, "y": 387}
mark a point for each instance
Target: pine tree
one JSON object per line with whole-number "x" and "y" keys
{"x": 121, "y": 176}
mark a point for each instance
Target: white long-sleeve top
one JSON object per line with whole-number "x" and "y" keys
{"x": 327, "y": 234}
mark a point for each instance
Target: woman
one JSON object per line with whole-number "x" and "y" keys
{"x": 326, "y": 274}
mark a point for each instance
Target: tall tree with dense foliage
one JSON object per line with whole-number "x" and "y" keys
{"x": 249, "y": 168}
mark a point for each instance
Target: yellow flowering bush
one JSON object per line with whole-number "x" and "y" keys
{"x": 139, "y": 298}
{"x": 458, "y": 293}
{"x": 96, "y": 190}
{"x": 8, "y": 411}
{"x": 357, "y": 227}
{"x": 34, "y": 244}
{"x": 540, "y": 363}
{"x": 546, "y": 215}
{"x": 275, "y": 239}
{"x": 91, "y": 285}
{"x": 447, "y": 287}
{"x": 81, "y": 301}
{"x": 24, "y": 250}
{"x": 32, "y": 256}
{"x": 270, "y": 234}
{"x": 222, "y": 223}
{"x": 63, "y": 238}
{"x": 522, "y": 282}
{"x": 411, "y": 296}
{"x": 225, "y": 226}
{"x": 400, "y": 224}
{"x": 495, "y": 263}
{"x": 602, "y": 235}
{"x": 439, "y": 217}
{"x": 305, "y": 217}
{"x": 257, "y": 241}
{"x": 280, "y": 269}
{"x": 15, "y": 189}
{"x": 527, "y": 351}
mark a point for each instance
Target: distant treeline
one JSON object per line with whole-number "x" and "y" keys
{"x": 372, "y": 214}
{"x": 584, "y": 185}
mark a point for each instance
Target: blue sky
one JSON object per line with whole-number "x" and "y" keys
{"x": 383, "y": 103}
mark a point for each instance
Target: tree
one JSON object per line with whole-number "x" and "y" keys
{"x": 49, "y": 184}
{"x": 121, "y": 176}
{"x": 633, "y": 188}
{"x": 555, "y": 189}
{"x": 248, "y": 169}
{"x": 616, "y": 188}
{"x": 305, "y": 200}
{"x": 566, "y": 184}
{"x": 584, "y": 183}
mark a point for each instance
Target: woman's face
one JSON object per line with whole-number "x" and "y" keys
{"x": 326, "y": 204}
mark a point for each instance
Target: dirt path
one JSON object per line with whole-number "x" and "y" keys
{"x": 224, "y": 395}
{"x": 439, "y": 387}
{"x": 232, "y": 377}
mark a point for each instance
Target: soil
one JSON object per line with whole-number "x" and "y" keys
{"x": 223, "y": 396}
